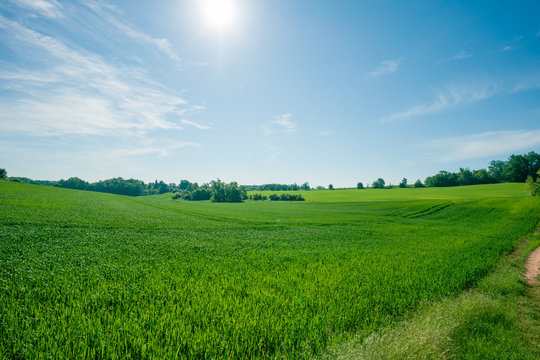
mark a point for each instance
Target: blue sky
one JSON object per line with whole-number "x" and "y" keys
{"x": 262, "y": 91}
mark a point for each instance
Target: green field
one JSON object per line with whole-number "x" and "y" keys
{"x": 91, "y": 275}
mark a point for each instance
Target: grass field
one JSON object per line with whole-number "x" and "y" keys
{"x": 91, "y": 275}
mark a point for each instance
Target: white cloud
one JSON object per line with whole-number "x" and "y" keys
{"x": 506, "y": 48}
{"x": 284, "y": 123}
{"x": 48, "y": 8}
{"x": 81, "y": 93}
{"x": 462, "y": 55}
{"x": 481, "y": 145}
{"x": 194, "y": 124}
{"x": 446, "y": 99}
{"x": 386, "y": 67}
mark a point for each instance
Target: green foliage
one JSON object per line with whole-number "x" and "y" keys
{"x": 286, "y": 197}
{"x": 403, "y": 183}
{"x": 360, "y": 186}
{"x": 418, "y": 184}
{"x": 378, "y": 184}
{"x": 516, "y": 169}
{"x": 330, "y": 187}
{"x": 3, "y": 174}
{"x": 258, "y": 197}
{"x": 534, "y": 186}
{"x": 90, "y": 275}
{"x": 222, "y": 192}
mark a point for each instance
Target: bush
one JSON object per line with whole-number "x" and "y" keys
{"x": 534, "y": 186}
{"x": 287, "y": 197}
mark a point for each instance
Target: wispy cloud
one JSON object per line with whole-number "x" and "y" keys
{"x": 280, "y": 123}
{"x": 51, "y": 101}
{"x": 481, "y": 145}
{"x": 538, "y": 33}
{"x": 48, "y": 8}
{"x": 530, "y": 82}
{"x": 449, "y": 98}
{"x": 160, "y": 43}
{"x": 514, "y": 44}
{"x": 386, "y": 67}
{"x": 196, "y": 125}
{"x": 462, "y": 55}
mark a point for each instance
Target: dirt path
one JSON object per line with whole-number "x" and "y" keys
{"x": 533, "y": 266}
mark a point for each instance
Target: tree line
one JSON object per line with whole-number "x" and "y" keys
{"x": 278, "y": 187}
{"x": 215, "y": 191}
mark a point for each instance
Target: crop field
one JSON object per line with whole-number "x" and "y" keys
{"x": 91, "y": 275}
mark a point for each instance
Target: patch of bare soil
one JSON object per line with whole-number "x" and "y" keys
{"x": 533, "y": 266}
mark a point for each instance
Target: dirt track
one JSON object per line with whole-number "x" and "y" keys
{"x": 533, "y": 266}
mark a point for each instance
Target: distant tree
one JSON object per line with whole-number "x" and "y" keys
{"x": 378, "y": 184}
{"x": 183, "y": 185}
{"x": 403, "y": 183}
{"x": 359, "y": 185}
{"x": 534, "y": 186}
{"x": 330, "y": 187}
{"x": 496, "y": 170}
{"x": 465, "y": 177}
{"x": 418, "y": 184}
{"x": 519, "y": 167}
{"x": 222, "y": 192}
{"x": 320, "y": 187}
{"x": 305, "y": 186}
{"x": 73, "y": 183}
{"x": 3, "y": 174}
{"x": 443, "y": 178}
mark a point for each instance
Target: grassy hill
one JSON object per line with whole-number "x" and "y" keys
{"x": 93, "y": 275}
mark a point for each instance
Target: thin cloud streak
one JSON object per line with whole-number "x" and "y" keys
{"x": 47, "y": 8}
{"x": 161, "y": 44}
{"x": 447, "y": 99}
{"x": 386, "y": 67}
{"x": 481, "y": 145}
{"x": 196, "y": 125}
{"x": 462, "y": 55}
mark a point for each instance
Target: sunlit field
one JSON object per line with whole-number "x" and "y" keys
{"x": 92, "y": 275}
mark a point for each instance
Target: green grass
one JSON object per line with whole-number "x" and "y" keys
{"x": 497, "y": 319}
{"x": 92, "y": 275}
{"x": 396, "y": 194}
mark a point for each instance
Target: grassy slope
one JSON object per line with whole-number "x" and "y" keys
{"x": 95, "y": 274}
{"x": 457, "y": 192}
{"x": 497, "y": 319}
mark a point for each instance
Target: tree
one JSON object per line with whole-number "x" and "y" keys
{"x": 403, "y": 183}
{"x": 330, "y": 187}
{"x": 359, "y": 185}
{"x": 496, "y": 170}
{"x": 378, "y": 184}
{"x": 183, "y": 185}
{"x": 418, "y": 184}
{"x": 3, "y": 174}
{"x": 305, "y": 186}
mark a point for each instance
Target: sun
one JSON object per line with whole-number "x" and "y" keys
{"x": 220, "y": 14}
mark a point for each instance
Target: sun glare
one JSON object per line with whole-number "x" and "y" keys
{"x": 219, "y": 14}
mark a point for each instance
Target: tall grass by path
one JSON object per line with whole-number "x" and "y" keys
{"x": 94, "y": 275}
